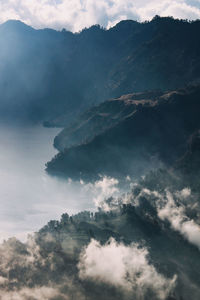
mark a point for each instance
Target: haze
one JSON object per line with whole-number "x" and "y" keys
{"x": 29, "y": 198}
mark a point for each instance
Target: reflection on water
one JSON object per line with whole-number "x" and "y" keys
{"x": 29, "y": 198}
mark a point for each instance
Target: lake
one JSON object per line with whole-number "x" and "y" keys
{"x": 29, "y": 197}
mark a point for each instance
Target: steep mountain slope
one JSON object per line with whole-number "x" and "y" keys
{"x": 55, "y": 75}
{"x": 131, "y": 138}
{"x": 100, "y": 118}
{"x": 149, "y": 236}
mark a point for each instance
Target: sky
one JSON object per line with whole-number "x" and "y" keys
{"x": 75, "y": 15}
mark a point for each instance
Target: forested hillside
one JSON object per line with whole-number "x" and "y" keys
{"x": 56, "y": 74}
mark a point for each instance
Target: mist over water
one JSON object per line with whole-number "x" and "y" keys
{"x": 29, "y": 197}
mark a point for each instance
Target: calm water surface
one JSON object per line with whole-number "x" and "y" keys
{"x": 29, "y": 197}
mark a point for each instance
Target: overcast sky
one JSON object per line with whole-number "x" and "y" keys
{"x": 77, "y": 14}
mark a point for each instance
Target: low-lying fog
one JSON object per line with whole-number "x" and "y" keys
{"x": 29, "y": 197}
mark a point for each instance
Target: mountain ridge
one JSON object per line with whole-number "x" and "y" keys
{"x": 148, "y": 135}
{"x": 103, "y": 64}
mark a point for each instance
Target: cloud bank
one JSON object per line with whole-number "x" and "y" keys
{"x": 77, "y": 14}
{"x": 45, "y": 270}
{"x": 174, "y": 207}
{"x": 179, "y": 221}
{"x": 132, "y": 271}
{"x": 105, "y": 192}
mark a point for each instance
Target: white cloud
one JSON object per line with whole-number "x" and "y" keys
{"x": 167, "y": 209}
{"x": 132, "y": 271}
{"x": 179, "y": 9}
{"x": 184, "y": 193}
{"x": 179, "y": 221}
{"x": 77, "y": 14}
{"x": 103, "y": 190}
{"x": 42, "y": 293}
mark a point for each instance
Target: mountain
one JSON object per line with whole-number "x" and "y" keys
{"x": 99, "y": 118}
{"x": 55, "y": 75}
{"x": 128, "y": 135}
{"x": 149, "y": 237}
{"x": 128, "y": 101}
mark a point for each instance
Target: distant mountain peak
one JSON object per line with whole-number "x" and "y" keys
{"x": 15, "y": 25}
